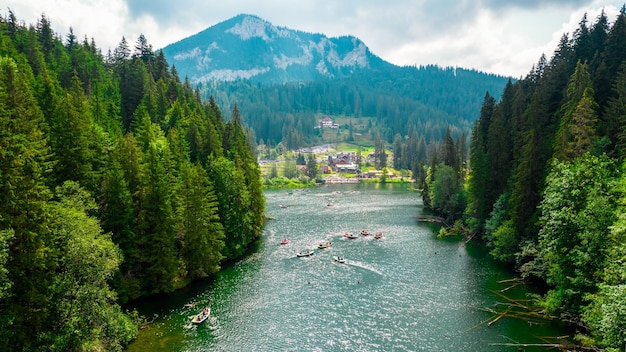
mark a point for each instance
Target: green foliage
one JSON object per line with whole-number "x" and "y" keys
{"x": 577, "y": 127}
{"x": 233, "y": 202}
{"x": 577, "y": 209}
{"x": 546, "y": 170}
{"x": 5, "y": 283}
{"x": 80, "y": 291}
{"x": 504, "y": 242}
{"x": 311, "y": 167}
{"x": 606, "y": 315}
{"x": 446, "y": 193}
{"x": 198, "y": 222}
{"x": 123, "y": 129}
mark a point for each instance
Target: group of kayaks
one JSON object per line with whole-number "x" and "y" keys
{"x": 327, "y": 244}
{"x": 353, "y": 236}
{"x": 206, "y": 312}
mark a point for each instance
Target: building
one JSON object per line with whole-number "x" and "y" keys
{"x": 326, "y": 122}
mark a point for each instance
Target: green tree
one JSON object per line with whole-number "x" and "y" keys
{"x": 24, "y": 211}
{"x": 311, "y": 166}
{"x": 397, "y": 152}
{"x": 156, "y": 264}
{"x": 233, "y": 205}
{"x": 80, "y": 289}
{"x": 445, "y": 192}
{"x": 478, "y": 206}
{"x": 577, "y": 210}
{"x": 5, "y": 283}
{"x": 198, "y": 222}
{"x": 117, "y": 214}
{"x": 577, "y": 132}
{"x": 74, "y": 140}
{"x": 380, "y": 154}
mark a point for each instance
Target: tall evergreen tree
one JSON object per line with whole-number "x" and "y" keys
{"x": 24, "y": 165}
{"x": 499, "y": 147}
{"x": 576, "y": 131}
{"x": 198, "y": 222}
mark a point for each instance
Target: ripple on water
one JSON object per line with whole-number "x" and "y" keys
{"x": 405, "y": 292}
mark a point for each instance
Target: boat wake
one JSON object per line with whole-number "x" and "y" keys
{"x": 363, "y": 266}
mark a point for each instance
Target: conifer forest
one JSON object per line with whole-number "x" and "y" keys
{"x": 117, "y": 182}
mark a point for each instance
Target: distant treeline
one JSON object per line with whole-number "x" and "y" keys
{"x": 427, "y": 99}
{"x": 116, "y": 181}
{"x": 546, "y": 188}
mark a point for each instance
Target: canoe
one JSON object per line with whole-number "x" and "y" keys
{"x": 202, "y": 316}
{"x": 324, "y": 245}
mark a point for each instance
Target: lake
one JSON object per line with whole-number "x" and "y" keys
{"x": 407, "y": 291}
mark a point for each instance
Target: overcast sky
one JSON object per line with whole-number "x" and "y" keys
{"x": 499, "y": 36}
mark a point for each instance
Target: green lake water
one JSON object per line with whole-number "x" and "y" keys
{"x": 408, "y": 291}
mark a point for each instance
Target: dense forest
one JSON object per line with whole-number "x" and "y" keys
{"x": 546, "y": 189}
{"x": 116, "y": 182}
{"x": 399, "y": 100}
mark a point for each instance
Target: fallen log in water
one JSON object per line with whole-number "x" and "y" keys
{"x": 432, "y": 218}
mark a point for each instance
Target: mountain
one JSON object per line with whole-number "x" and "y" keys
{"x": 248, "y": 47}
{"x": 282, "y": 80}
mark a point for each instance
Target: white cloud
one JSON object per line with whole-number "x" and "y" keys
{"x": 505, "y": 37}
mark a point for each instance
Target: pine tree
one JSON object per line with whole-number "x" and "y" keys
{"x": 576, "y": 132}
{"x": 198, "y": 222}
{"x": 24, "y": 165}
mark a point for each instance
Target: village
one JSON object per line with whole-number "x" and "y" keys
{"x": 340, "y": 162}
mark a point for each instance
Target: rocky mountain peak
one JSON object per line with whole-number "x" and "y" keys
{"x": 248, "y": 47}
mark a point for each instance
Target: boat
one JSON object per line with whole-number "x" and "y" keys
{"x": 350, "y": 235}
{"x": 283, "y": 206}
{"x": 324, "y": 245}
{"x": 305, "y": 253}
{"x": 378, "y": 235}
{"x": 364, "y": 233}
{"x": 284, "y": 241}
{"x": 339, "y": 259}
{"x": 202, "y": 316}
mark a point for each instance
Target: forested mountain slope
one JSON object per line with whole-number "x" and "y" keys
{"x": 546, "y": 183}
{"x": 116, "y": 180}
{"x": 285, "y": 78}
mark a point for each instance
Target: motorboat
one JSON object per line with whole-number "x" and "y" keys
{"x": 339, "y": 259}
{"x": 284, "y": 241}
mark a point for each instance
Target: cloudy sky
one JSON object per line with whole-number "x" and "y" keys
{"x": 500, "y": 36}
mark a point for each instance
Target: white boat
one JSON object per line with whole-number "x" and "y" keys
{"x": 202, "y": 316}
{"x": 340, "y": 259}
{"x": 305, "y": 253}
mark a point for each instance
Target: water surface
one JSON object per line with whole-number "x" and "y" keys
{"x": 405, "y": 292}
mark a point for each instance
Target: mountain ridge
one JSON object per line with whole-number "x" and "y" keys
{"x": 249, "y": 47}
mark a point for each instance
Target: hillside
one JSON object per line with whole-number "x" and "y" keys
{"x": 282, "y": 79}
{"x": 248, "y": 47}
